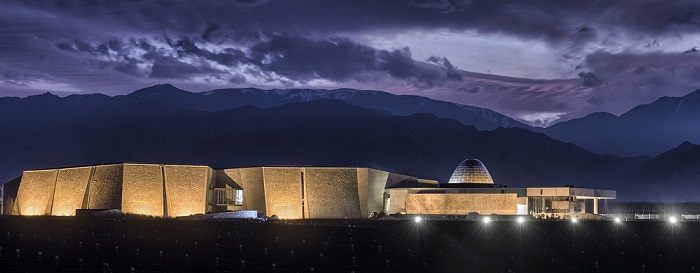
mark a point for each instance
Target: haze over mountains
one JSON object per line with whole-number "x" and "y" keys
{"x": 406, "y": 134}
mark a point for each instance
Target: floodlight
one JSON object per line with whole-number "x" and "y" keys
{"x": 617, "y": 220}
{"x": 673, "y": 220}
{"x": 574, "y": 220}
{"x": 521, "y": 220}
{"x": 486, "y": 220}
{"x": 418, "y": 219}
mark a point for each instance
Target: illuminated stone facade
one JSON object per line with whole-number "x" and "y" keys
{"x": 105, "y": 187}
{"x": 456, "y": 203}
{"x": 283, "y": 192}
{"x": 35, "y": 194}
{"x": 186, "y": 189}
{"x": 145, "y": 189}
{"x": 313, "y": 192}
{"x": 288, "y": 192}
{"x": 176, "y": 190}
{"x": 71, "y": 185}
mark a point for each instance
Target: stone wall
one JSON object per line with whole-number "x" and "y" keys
{"x": 176, "y": 190}
{"x": 142, "y": 189}
{"x": 186, "y": 189}
{"x": 435, "y": 203}
{"x": 35, "y": 193}
{"x": 71, "y": 186}
{"x": 283, "y": 192}
{"x": 105, "y": 189}
{"x": 332, "y": 193}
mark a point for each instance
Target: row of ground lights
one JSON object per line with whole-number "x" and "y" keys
{"x": 521, "y": 220}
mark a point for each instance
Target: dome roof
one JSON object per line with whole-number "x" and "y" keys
{"x": 471, "y": 171}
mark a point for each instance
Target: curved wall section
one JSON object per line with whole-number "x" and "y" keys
{"x": 71, "y": 185}
{"x": 35, "y": 192}
{"x": 376, "y": 181}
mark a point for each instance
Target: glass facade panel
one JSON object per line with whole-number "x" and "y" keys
{"x": 471, "y": 171}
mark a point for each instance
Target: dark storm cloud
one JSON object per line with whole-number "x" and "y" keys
{"x": 105, "y": 43}
{"x": 338, "y": 59}
{"x": 172, "y": 68}
{"x": 229, "y": 56}
{"x": 553, "y": 20}
{"x": 294, "y": 57}
{"x": 589, "y": 79}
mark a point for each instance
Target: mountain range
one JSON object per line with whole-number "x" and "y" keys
{"x": 250, "y": 127}
{"x": 646, "y": 130}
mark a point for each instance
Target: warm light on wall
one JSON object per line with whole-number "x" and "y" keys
{"x": 287, "y": 213}
{"x": 64, "y": 211}
{"x": 31, "y": 210}
{"x": 185, "y": 210}
{"x": 148, "y": 209}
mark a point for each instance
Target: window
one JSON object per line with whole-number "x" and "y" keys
{"x": 239, "y": 198}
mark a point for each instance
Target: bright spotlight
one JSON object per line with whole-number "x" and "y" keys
{"x": 417, "y": 219}
{"x": 487, "y": 220}
{"x": 617, "y": 220}
{"x": 574, "y": 220}
{"x": 521, "y": 220}
{"x": 673, "y": 220}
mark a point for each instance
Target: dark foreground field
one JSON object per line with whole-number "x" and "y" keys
{"x": 51, "y": 244}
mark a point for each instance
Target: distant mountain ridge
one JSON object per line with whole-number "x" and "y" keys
{"x": 646, "y": 130}
{"x": 252, "y": 127}
{"x": 223, "y": 99}
{"x": 315, "y": 132}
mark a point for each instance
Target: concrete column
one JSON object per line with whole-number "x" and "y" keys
{"x": 595, "y": 205}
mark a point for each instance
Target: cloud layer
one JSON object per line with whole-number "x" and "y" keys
{"x": 608, "y": 55}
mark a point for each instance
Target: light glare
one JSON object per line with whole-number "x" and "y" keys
{"x": 487, "y": 220}
{"x": 672, "y": 220}
{"x": 418, "y": 219}
{"x": 521, "y": 220}
{"x": 574, "y": 220}
{"x": 617, "y": 220}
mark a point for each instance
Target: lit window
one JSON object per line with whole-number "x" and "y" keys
{"x": 239, "y": 198}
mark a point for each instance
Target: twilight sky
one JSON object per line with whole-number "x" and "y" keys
{"x": 537, "y": 61}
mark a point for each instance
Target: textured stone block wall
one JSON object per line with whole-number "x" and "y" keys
{"x": 332, "y": 193}
{"x": 105, "y": 189}
{"x": 563, "y": 205}
{"x": 71, "y": 186}
{"x": 283, "y": 192}
{"x": 35, "y": 192}
{"x": 429, "y": 203}
{"x": 186, "y": 189}
{"x": 142, "y": 189}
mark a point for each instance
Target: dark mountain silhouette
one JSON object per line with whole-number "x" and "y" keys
{"x": 166, "y": 125}
{"x": 646, "y": 130}
{"x": 673, "y": 175}
{"x": 403, "y": 105}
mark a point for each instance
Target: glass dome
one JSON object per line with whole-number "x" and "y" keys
{"x": 471, "y": 171}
